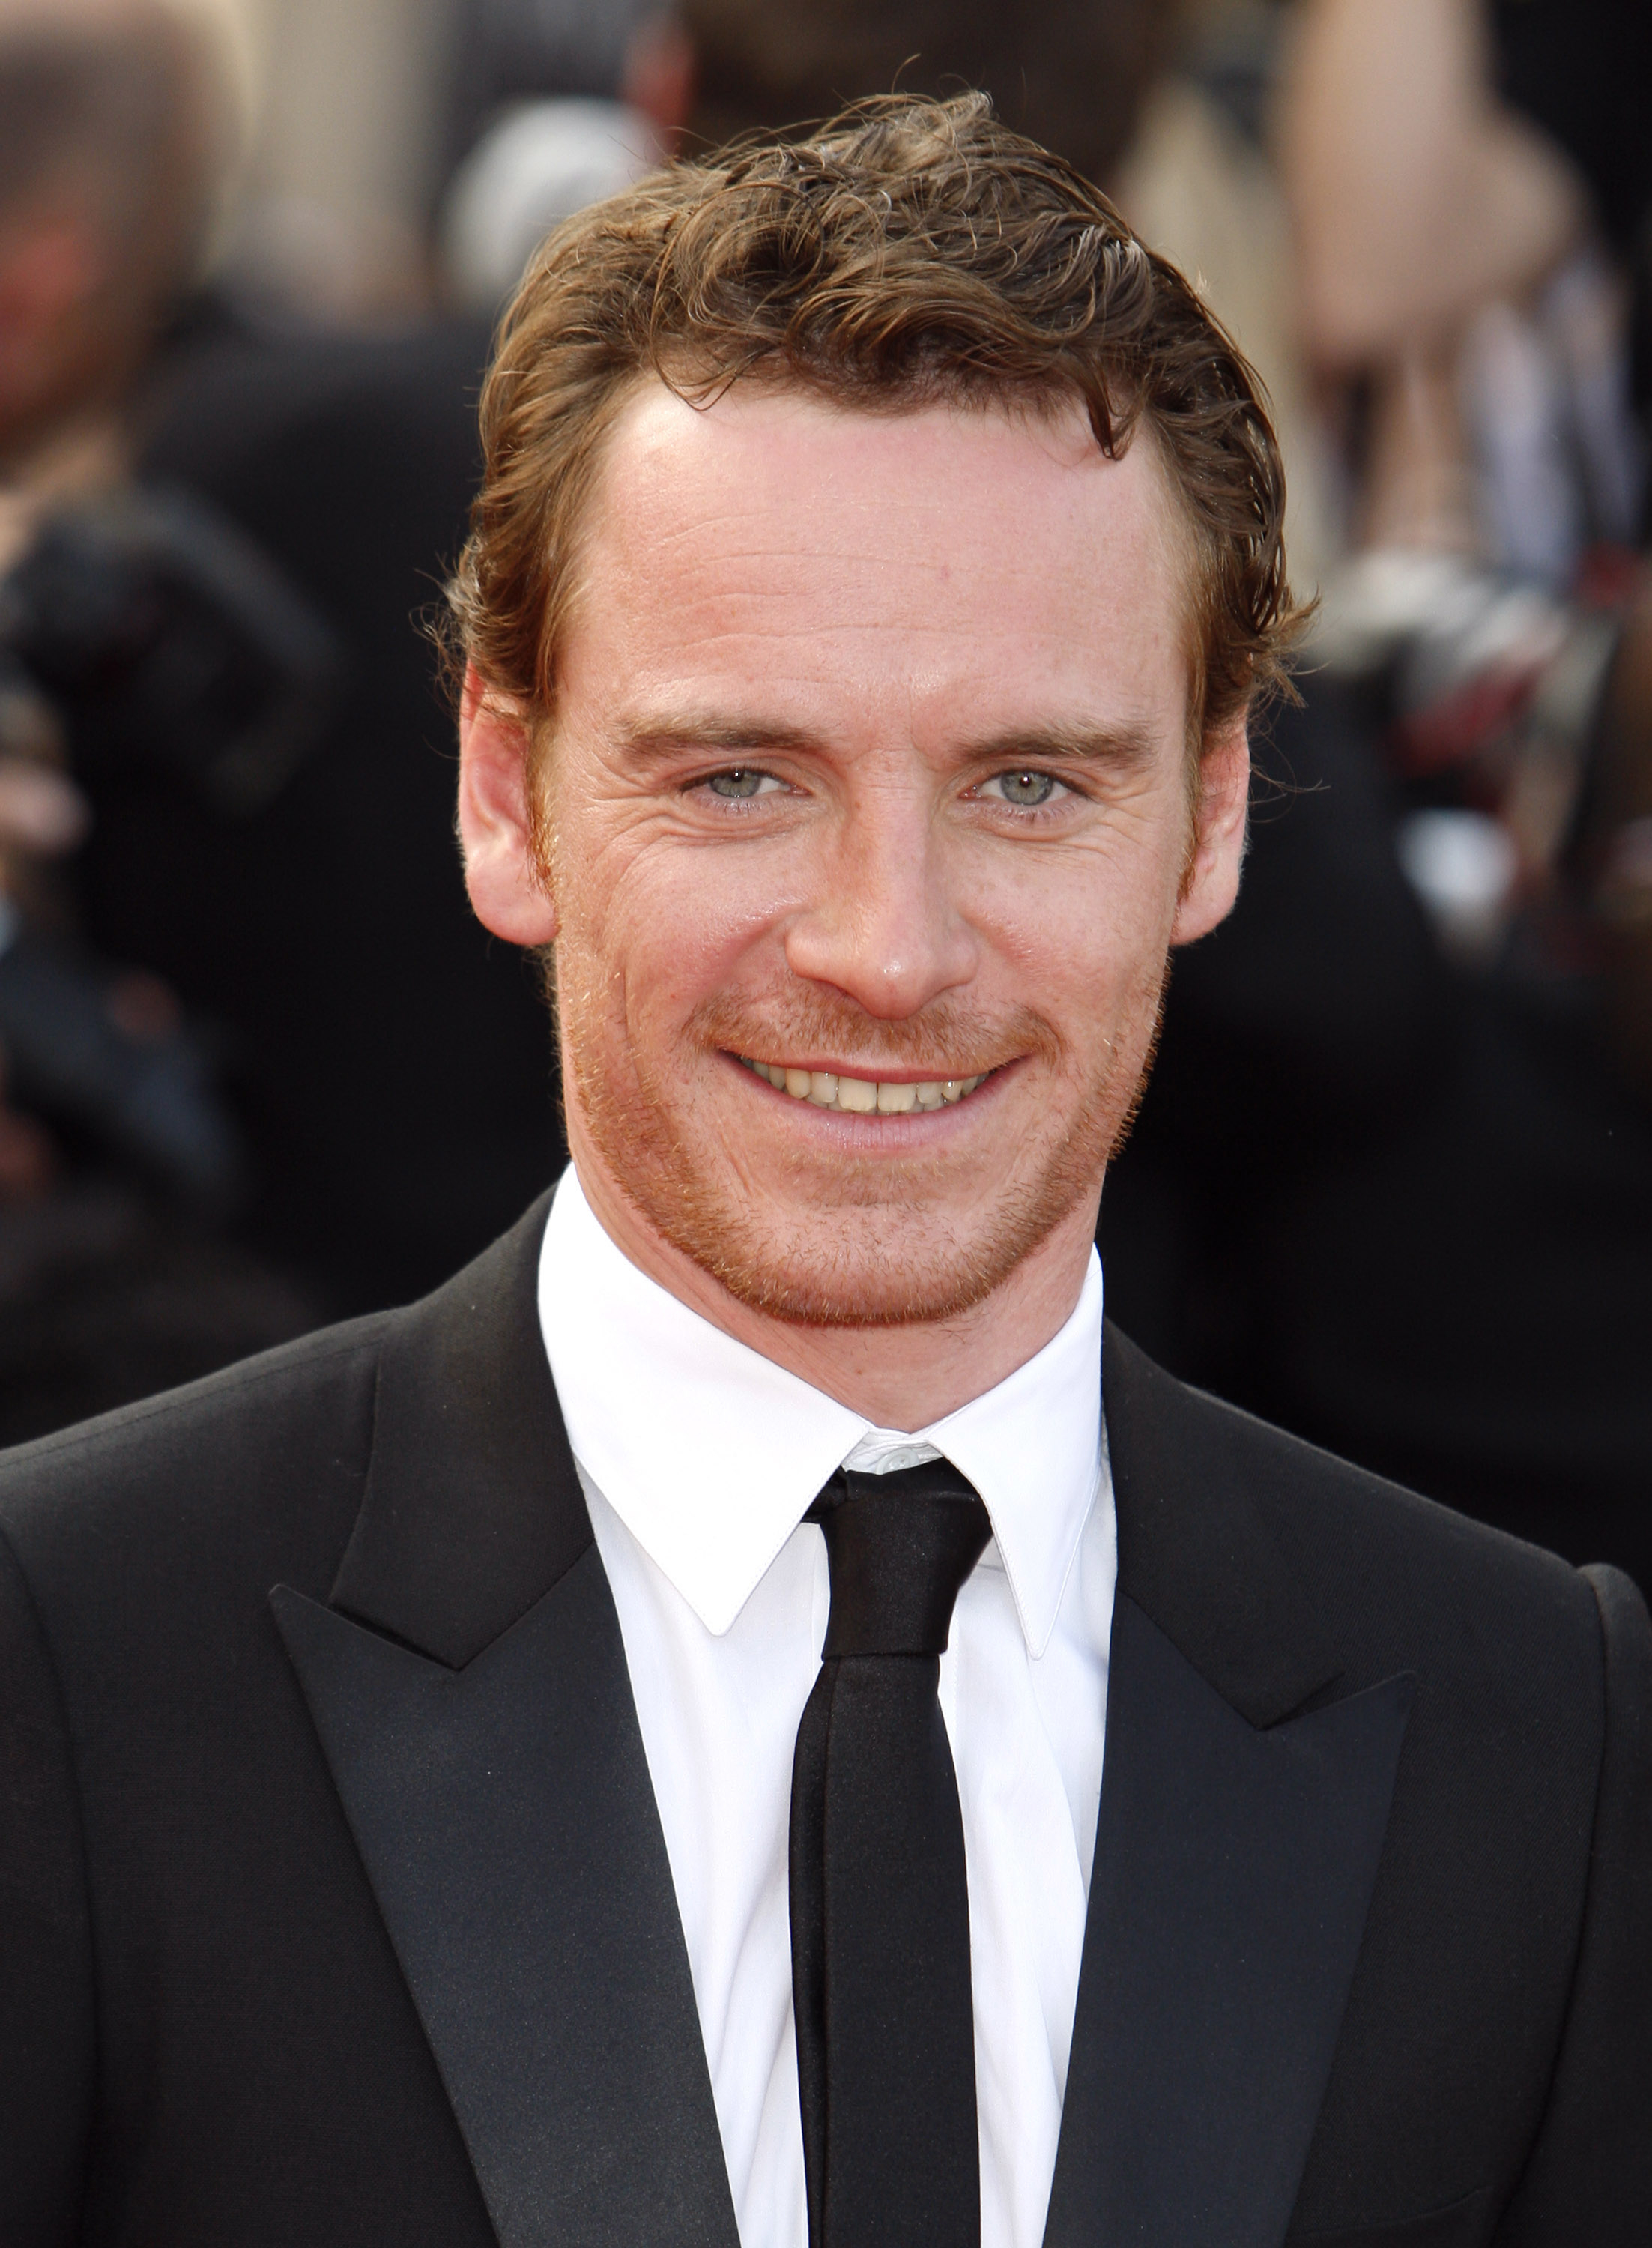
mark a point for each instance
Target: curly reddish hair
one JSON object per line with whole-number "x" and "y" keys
{"x": 912, "y": 252}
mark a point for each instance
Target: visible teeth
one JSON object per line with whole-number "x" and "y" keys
{"x": 861, "y": 1096}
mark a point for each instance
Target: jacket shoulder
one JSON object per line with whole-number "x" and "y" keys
{"x": 257, "y": 1475}
{"x": 1514, "y": 1853}
{"x": 291, "y": 1423}
{"x": 1379, "y": 1577}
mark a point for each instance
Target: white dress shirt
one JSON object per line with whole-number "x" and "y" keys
{"x": 699, "y": 1458}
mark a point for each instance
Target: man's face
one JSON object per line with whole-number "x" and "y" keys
{"x": 869, "y": 769}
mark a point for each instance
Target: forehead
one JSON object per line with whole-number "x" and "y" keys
{"x": 944, "y": 556}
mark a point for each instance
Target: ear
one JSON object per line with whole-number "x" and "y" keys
{"x": 1211, "y": 883}
{"x": 507, "y": 890}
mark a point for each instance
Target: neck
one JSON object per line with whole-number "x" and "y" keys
{"x": 897, "y": 1377}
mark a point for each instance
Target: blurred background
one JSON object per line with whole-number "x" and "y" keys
{"x": 1392, "y": 1182}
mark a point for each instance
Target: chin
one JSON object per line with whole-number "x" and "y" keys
{"x": 839, "y": 1291}
{"x": 860, "y": 1266}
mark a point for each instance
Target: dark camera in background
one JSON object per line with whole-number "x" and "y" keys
{"x": 158, "y": 630}
{"x": 145, "y": 629}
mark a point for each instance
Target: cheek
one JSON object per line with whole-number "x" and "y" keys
{"x": 665, "y": 927}
{"x": 1082, "y": 937}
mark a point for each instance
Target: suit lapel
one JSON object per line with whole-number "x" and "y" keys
{"x": 1236, "y": 1853}
{"x": 1233, "y": 1870}
{"x": 468, "y": 1683}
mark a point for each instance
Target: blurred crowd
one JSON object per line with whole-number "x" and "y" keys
{"x": 1391, "y": 1184}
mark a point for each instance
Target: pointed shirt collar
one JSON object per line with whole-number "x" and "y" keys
{"x": 711, "y": 1454}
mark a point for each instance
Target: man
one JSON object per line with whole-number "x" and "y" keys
{"x": 615, "y": 1753}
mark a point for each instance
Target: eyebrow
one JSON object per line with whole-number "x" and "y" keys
{"x": 666, "y": 736}
{"x": 1126, "y": 746}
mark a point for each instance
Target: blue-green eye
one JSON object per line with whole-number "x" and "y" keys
{"x": 1029, "y": 789}
{"x": 739, "y": 782}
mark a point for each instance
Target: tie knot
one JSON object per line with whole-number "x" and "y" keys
{"x": 899, "y": 1547}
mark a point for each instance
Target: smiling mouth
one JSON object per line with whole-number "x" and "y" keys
{"x": 863, "y": 1096}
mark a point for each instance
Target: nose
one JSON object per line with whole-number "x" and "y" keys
{"x": 886, "y": 927}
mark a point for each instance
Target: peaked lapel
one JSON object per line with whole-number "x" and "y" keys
{"x": 468, "y": 1682}
{"x": 1237, "y": 1849}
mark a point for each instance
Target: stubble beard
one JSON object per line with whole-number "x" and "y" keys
{"x": 879, "y": 1247}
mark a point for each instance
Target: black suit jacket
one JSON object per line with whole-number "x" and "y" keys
{"x": 334, "y": 1907}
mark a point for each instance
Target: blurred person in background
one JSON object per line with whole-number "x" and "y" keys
{"x": 120, "y": 1160}
{"x": 261, "y": 759}
{"x": 109, "y": 160}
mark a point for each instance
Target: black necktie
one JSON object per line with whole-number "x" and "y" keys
{"x": 880, "y": 1898}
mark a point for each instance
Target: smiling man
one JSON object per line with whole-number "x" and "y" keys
{"x": 862, "y": 822}
{"x": 747, "y": 1717}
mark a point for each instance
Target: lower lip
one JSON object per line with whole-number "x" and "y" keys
{"x": 875, "y": 1129}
